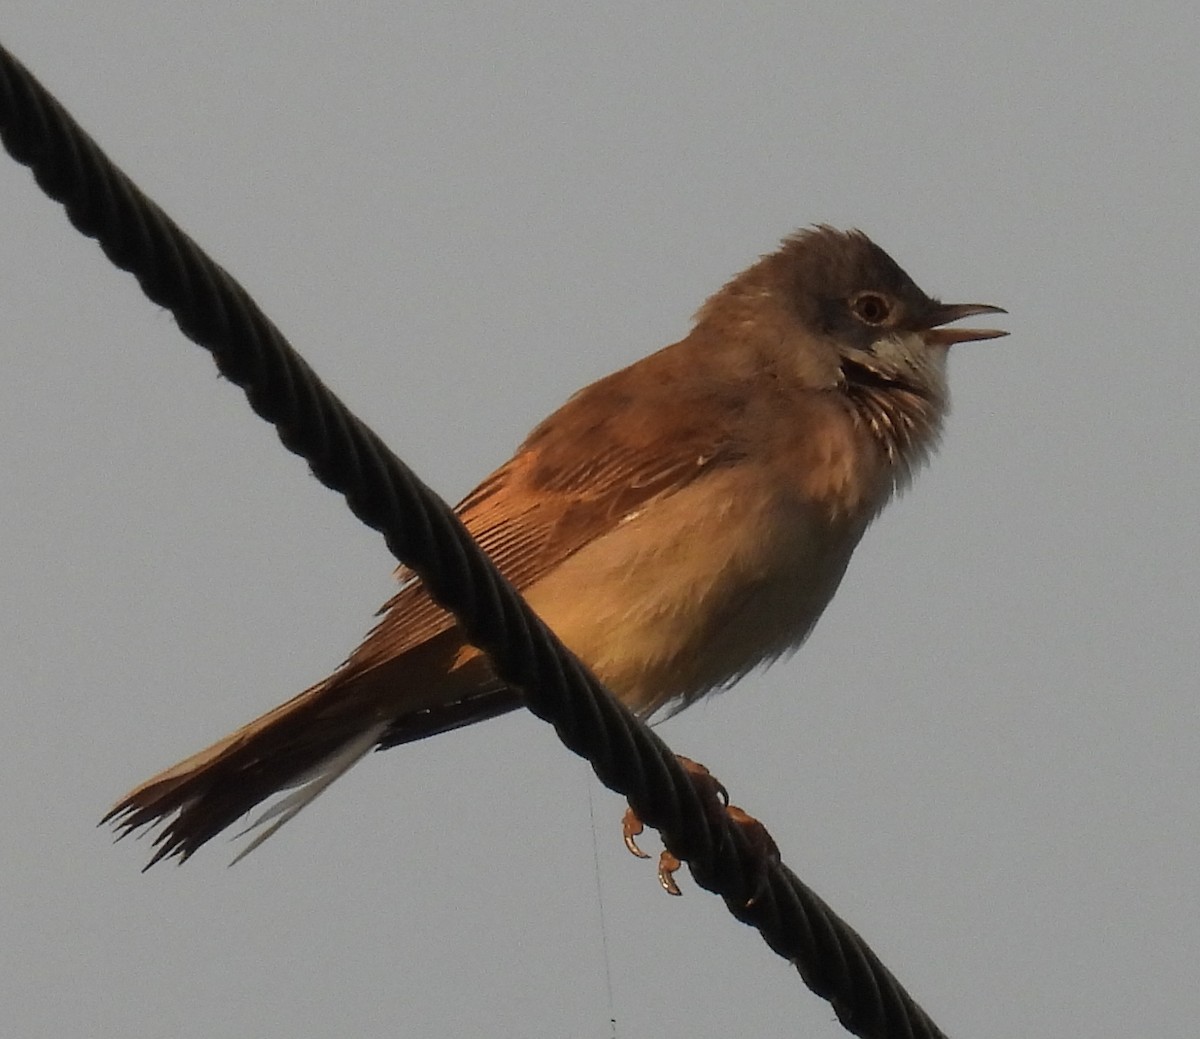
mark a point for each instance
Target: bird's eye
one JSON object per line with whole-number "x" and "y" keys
{"x": 871, "y": 308}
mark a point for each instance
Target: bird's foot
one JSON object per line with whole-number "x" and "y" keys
{"x": 632, "y": 827}
{"x": 711, "y": 789}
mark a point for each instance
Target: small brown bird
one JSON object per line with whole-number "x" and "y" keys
{"x": 677, "y": 524}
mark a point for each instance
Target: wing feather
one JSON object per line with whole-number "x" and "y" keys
{"x": 603, "y": 456}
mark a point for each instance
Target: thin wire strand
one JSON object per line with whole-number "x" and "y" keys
{"x": 608, "y": 980}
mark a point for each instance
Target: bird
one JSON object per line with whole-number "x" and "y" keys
{"x": 678, "y": 524}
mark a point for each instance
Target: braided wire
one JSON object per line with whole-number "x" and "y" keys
{"x": 214, "y": 311}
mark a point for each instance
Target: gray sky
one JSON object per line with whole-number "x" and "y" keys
{"x": 986, "y": 758}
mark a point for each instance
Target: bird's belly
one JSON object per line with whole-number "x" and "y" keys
{"x": 696, "y": 591}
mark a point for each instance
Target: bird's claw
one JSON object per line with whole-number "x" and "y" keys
{"x": 667, "y": 866}
{"x": 631, "y": 827}
{"x": 668, "y": 863}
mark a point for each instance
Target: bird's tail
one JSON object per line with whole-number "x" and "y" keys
{"x": 301, "y": 746}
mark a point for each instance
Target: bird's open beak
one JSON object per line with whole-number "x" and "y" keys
{"x": 946, "y": 312}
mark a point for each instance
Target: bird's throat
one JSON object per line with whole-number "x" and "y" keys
{"x": 902, "y": 414}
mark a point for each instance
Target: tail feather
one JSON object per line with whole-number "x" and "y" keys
{"x": 307, "y": 743}
{"x": 304, "y": 745}
{"x": 310, "y": 787}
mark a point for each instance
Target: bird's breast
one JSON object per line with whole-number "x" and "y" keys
{"x": 698, "y": 588}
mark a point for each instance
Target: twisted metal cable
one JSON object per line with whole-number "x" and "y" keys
{"x": 214, "y": 311}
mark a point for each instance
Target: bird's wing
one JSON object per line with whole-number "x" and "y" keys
{"x": 603, "y": 456}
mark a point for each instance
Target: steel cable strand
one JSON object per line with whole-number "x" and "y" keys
{"x": 213, "y": 310}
